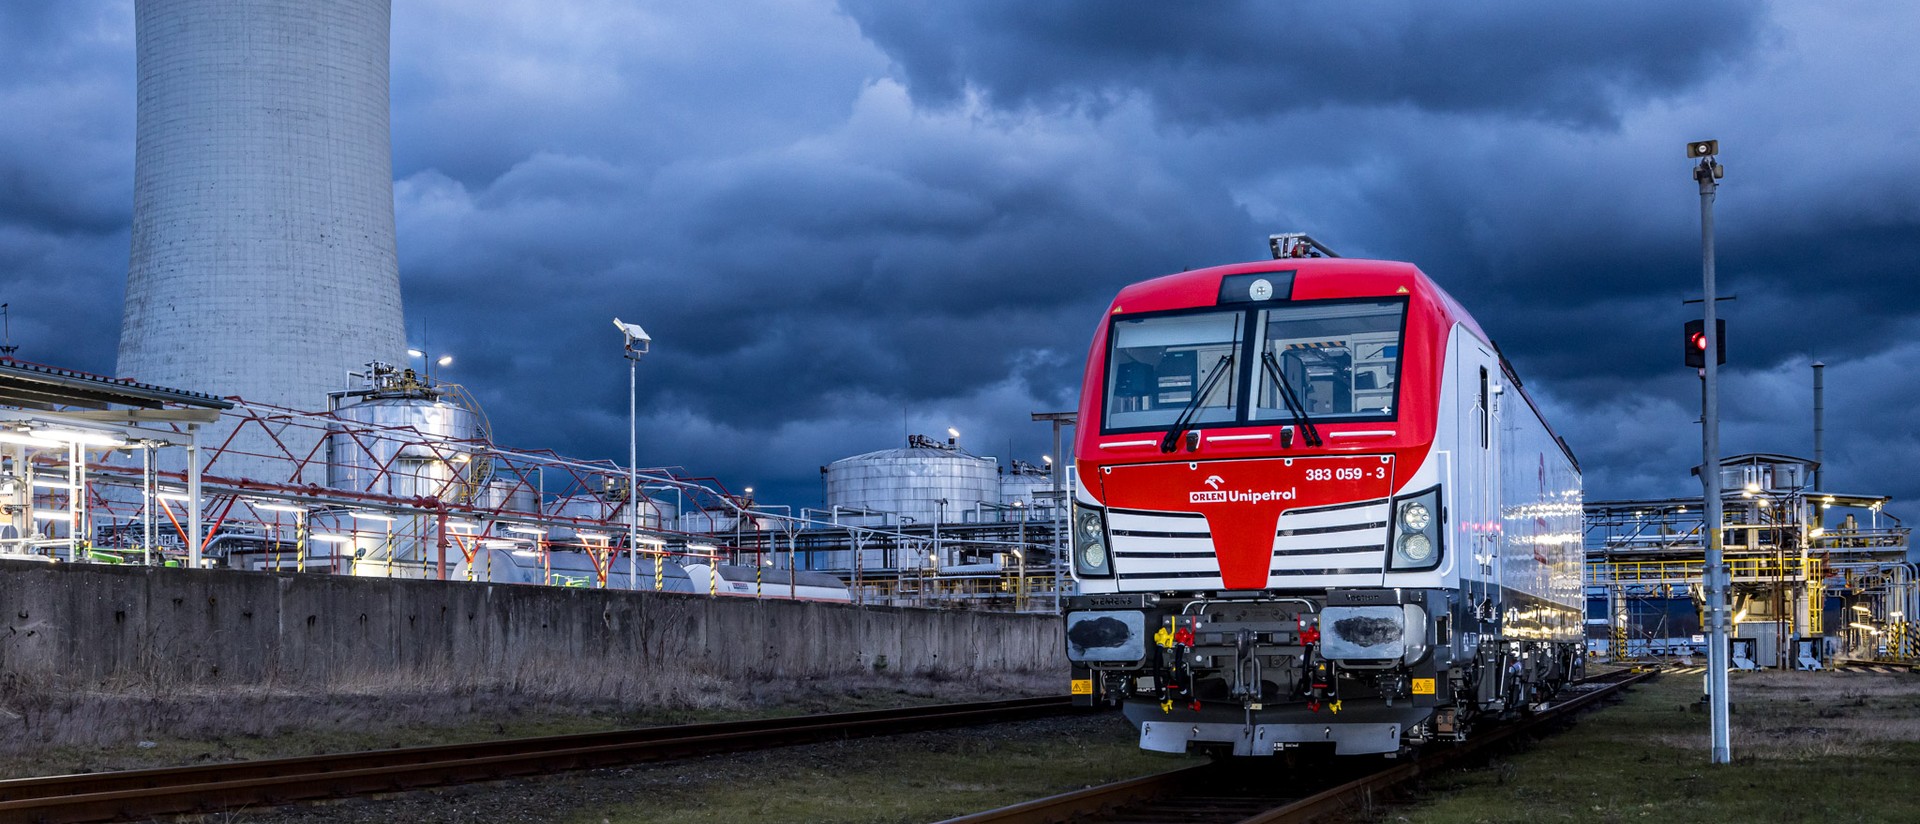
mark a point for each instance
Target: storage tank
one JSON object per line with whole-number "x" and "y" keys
{"x": 262, "y": 259}
{"x": 400, "y": 437}
{"x": 1026, "y": 483}
{"x": 912, "y": 481}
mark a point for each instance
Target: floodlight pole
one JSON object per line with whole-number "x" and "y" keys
{"x": 633, "y": 471}
{"x": 1708, "y": 173}
{"x": 638, "y": 342}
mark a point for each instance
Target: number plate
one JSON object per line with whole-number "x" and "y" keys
{"x": 1084, "y": 686}
{"x": 1423, "y": 686}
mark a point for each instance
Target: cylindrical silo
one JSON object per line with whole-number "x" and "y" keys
{"x": 408, "y": 444}
{"x": 911, "y": 482}
{"x": 263, "y": 260}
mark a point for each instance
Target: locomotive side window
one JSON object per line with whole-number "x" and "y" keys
{"x": 1341, "y": 359}
{"x": 1485, "y": 441}
{"x": 1158, "y": 363}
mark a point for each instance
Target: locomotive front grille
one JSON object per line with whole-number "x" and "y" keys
{"x": 1344, "y": 543}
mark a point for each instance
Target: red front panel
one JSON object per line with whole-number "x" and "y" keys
{"x": 1242, "y": 500}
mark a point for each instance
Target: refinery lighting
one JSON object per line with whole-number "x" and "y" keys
{"x": 526, "y": 530}
{"x": 373, "y": 516}
{"x": 332, "y": 538}
{"x": 176, "y": 497}
{"x": 83, "y": 437}
{"x": 278, "y": 507}
{"x": 499, "y": 543}
{"x": 24, "y": 439}
{"x": 52, "y": 515}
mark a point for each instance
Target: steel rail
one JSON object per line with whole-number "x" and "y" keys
{"x": 1095, "y": 802}
{"x": 135, "y": 794}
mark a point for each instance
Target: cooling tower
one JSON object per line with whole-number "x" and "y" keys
{"x": 263, "y": 259}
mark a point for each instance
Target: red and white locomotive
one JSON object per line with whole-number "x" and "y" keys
{"x": 1315, "y": 507}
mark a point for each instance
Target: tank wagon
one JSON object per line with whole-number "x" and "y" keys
{"x": 1315, "y": 507}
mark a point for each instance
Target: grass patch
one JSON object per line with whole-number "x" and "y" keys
{"x": 52, "y": 729}
{"x": 915, "y": 778}
{"x": 1812, "y": 747}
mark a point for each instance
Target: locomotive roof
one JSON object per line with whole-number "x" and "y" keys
{"x": 1321, "y": 279}
{"x": 1313, "y": 279}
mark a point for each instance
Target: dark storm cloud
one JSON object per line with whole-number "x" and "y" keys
{"x": 843, "y": 222}
{"x": 1201, "y": 62}
{"x": 66, "y": 176}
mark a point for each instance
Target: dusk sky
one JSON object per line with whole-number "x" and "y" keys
{"x": 840, "y": 221}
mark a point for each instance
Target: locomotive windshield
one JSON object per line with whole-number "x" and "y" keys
{"x": 1158, "y": 363}
{"x": 1341, "y": 358}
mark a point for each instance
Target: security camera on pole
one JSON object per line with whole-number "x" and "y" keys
{"x": 637, "y": 343}
{"x": 1708, "y": 174}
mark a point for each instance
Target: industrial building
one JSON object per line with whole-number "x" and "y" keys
{"x": 1816, "y": 575}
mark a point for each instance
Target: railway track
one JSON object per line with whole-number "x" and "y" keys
{"x": 138, "y": 794}
{"x": 1259, "y": 793}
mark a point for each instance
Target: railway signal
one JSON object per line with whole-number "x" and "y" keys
{"x": 1696, "y": 343}
{"x": 1714, "y": 574}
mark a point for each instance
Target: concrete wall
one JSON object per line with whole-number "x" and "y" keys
{"x": 100, "y": 623}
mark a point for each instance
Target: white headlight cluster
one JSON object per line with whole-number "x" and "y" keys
{"x": 1416, "y": 532}
{"x": 1090, "y": 542}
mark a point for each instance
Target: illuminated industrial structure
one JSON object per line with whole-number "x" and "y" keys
{"x": 416, "y": 488}
{"x": 1815, "y": 575}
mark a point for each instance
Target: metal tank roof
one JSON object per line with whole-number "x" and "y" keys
{"x": 912, "y": 481}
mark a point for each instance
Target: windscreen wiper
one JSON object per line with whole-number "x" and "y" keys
{"x": 1294, "y": 406}
{"x": 1180, "y": 424}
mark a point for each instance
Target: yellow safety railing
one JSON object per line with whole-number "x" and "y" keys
{"x": 1759, "y": 568}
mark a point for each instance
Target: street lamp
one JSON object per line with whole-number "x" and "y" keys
{"x": 638, "y": 342}
{"x": 426, "y": 364}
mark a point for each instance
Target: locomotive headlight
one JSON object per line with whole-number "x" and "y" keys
{"x": 1417, "y": 548}
{"x": 1093, "y": 555}
{"x": 1414, "y": 517}
{"x": 1090, "y": 527}
{"x": 1090, "y": 542}
{"x": 1416, "y": 544}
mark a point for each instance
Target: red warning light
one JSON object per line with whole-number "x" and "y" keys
{"x": 1697, "y": 343}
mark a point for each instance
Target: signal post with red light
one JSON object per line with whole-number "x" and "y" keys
{"x": 1696, "y": 343}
